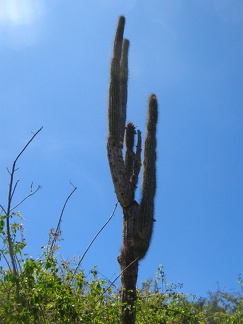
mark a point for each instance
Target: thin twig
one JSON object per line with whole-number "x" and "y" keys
{"x": 6, "y": 260}
{"x": 112, "y": 283}
{"x": 15, "y": 186}
{"x": 60, "y": 218}
{"x": 3, "y": 209}
{"x": 101, "y": 229}
{"x": 29, "y": 195}
{"x": 10, "y": 196}
{"x": 113, "y": 212}
{"x": 108, "y": 280}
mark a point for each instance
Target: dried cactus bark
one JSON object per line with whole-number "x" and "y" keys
{"x": 138, "y": 219}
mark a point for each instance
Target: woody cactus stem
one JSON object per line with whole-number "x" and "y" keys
{"x": 138, "y": 219}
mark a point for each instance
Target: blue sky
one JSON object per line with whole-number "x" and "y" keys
{"x": 54, "y": 63}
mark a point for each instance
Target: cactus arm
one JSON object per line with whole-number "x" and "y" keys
{"x": 146, "y": 216}
{"x": 149, "y": 162}
{"x": 129, "y": 156}
{"x": 123, "y": 87}
{"x": 117, "y": 115}
{"x": 132, "y": 159}
{"x": 137, "y": 160}
{"x": 118, "y": 83}
{"x": 114, "y": 89}
{"x": 123, "y": 190}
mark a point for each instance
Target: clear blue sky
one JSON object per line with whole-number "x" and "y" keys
{"x": 54, "y": 72}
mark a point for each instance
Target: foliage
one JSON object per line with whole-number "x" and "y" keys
{"x": 47, "y": 292}
{"x": 52, "y": 290}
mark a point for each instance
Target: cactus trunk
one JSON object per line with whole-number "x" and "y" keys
{"x": 138, "y": 219}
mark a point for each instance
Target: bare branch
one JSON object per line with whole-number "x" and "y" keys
{"x": 29, "y": 195}
{"x": 101, "y": 229}
{"x": 15, "y": 186}
{"x": 112, "y": 214}
{"x": 60, "y": 218}
{"x": 11, "y": 191}
{"x": 112, "y": 282}
{"x": 3, "y": 209}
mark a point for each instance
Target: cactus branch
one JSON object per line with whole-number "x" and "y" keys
{"x": 114, "y": 113}
{"x": 146, "y": 217}
{"x": 117, "y": 115}
{"x": 123, "y": 87}
{"x": 129, "y": 157}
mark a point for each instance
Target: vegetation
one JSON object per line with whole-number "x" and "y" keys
{"x": 47, "y": 291}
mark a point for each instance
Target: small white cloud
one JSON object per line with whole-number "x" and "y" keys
{"x": 20, "y": 12}
{"x": 19, "y": 22}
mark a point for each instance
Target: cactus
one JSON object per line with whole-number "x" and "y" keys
{"x": 138, "y": 219}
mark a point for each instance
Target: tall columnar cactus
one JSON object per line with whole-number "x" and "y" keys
{"x": 138, "y": 219}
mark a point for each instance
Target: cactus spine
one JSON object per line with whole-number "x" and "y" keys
{"x": 138, "y": 219}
